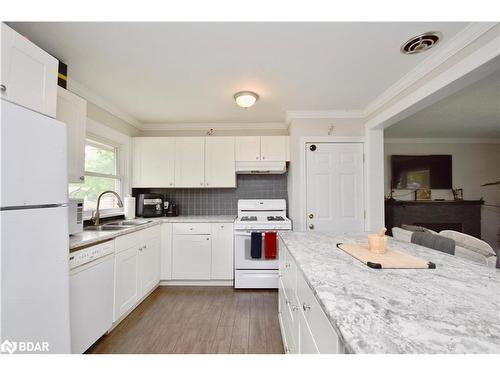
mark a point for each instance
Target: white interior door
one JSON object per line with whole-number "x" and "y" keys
{"x": 334, "y": 174}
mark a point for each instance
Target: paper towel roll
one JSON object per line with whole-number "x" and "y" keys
{"x": 129, "y": 208}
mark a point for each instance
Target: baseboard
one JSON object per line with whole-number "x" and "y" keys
{"x": 196, "y": 283}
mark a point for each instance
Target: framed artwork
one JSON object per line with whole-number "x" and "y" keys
{"x": 423, "y": 194}
{"x": 458, "y": 194}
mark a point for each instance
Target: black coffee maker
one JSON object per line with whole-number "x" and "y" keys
{"x": 170, "y": 208}
{"x": 150, "y": 205}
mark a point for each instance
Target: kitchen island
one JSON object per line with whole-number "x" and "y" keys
{"x": 454, "y": 308}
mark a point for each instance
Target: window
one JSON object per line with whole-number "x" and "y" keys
{"x": 101, "y": 174}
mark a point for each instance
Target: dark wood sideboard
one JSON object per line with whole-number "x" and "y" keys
{"x": 460, "y": 215}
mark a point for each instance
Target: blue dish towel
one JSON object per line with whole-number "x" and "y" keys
{"x": 256, "y": 245}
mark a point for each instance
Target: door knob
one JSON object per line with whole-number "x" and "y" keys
{"x": 311, "y": 216}
{"x": 311, "y": 226}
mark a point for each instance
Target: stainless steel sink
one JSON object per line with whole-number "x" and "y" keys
{"x": 117, "y": 225}
{"x": 100, "y": 228}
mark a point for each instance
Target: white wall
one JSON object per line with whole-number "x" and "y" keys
{"x": 473, "y": 165}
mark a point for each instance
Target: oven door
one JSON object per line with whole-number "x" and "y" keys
{"x": 242, "y": 257}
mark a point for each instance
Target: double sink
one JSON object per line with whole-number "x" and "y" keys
{"x": 117, "y": 225}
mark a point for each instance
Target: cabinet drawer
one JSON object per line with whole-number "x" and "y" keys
{"x": 326, "y": 339}
{"x": 286, "y": 323}
{"x": 127, "y": 241}
{"x": 192, "y": 228}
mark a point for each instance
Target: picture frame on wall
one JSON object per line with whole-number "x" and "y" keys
{"x": 458, "y": 194}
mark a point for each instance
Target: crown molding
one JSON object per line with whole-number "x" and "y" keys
{"x": 461, "y": 40}
{"x": 216, "y": 126}
{"x": 290, "y": 115}
{"x": 444, "y": 140}
{"x": 83, "y": 91}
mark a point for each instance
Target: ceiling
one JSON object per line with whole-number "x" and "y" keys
{"x": 188, "y": 72}
{"x": 473, "y": 112}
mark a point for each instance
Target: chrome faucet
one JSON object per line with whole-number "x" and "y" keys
{"x": 95, "y": 217}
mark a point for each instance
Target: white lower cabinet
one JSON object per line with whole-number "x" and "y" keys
{"x": 137, "y": 268}
{"x": 191, "y": 257}
{"x": 197, "y": 252}
{"x": 222, "y": 251}
{"x": 166, "y": 252}
{"x": 126, "y": 288}
{"x": 305, "y": 327}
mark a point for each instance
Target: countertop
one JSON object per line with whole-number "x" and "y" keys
{"x": 454, "y": 308}
{"x": 87, "y": 238}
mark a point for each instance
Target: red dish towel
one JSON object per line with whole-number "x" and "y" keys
{"x": 270, "y": 245}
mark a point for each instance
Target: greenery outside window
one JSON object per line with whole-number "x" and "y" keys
{"x": 101, "y": 174}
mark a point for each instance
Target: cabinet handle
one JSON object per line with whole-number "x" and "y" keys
{"x": 145, "y": 246}
{"x": 306, "y": 306}
{"x": 201, "y": 183}
{"x": 295, "y": 308}
{"x": 171, "y": 184}
{"x": 3, "y": 88}
{"x": 256, "y": 158}
{"x": 263, "y": 158}
{"x": 140, "y": 249}
{"x": 311, "y": 226}
{"x": 82, "y": 178}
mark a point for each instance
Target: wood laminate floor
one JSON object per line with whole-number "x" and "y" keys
{"x": 199, "y": 320}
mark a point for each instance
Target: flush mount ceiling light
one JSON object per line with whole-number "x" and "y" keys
{"x": 245, "y": 99}
{"x": 420, "y": 43}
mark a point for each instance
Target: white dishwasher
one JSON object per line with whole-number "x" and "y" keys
{"x": 91, "y": 294}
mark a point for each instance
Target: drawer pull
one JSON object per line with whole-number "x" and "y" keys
{"x": 295, "y": 308}
{"x": 306, "y": 306}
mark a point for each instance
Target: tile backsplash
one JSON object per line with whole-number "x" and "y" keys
{"x": 193, "y": 201}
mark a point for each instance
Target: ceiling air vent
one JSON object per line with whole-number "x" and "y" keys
{"x": 420, "y": 43}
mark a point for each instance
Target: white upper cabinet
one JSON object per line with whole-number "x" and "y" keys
{"x": 273, "y": 148}
{"x": 153, "y": 162}
{"x": 72, "y": 110}
{"x": 247, "y": 148}
{"x": 219, "y": 162}
{"x": 29, "y": 74}
{"x": 190, "y": 161}
{"x": 264, "y": 148}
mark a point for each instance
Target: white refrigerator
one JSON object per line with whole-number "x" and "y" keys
{"x": 34, "y": 269}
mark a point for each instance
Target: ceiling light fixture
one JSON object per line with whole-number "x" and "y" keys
{"x": 246, "y": 99}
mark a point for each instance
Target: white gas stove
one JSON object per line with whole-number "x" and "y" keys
{"x": 256, "y": 250}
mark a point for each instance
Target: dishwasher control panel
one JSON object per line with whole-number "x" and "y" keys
{"x": 88, "y": 254}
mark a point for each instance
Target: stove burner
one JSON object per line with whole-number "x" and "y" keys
{"x": 249, "y": 218}
{"x": 275, "y": 218}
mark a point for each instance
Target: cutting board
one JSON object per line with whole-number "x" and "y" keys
{"x": 392, "y": 258}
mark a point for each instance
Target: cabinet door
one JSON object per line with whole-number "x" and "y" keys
{"x": 273, "y": 148}
{"x": 153, "y": 162}
{"x": 126, "y": 283}
{"x": 219, "y": 162}
{"x": 222, "y": 251}
{"x": 190, "y": 161}
{"x": 247, "y": 148}
{"x": 166, "y": 252}
{"x": 72, "y": 110}
{"x": 149, "y": 265}
{"x": 306, "y": 340}
{"x": 29, "y": 74}
{"x": 191, "y": 257}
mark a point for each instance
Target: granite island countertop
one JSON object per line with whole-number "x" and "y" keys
{"x": 88, "y": 238}
{"x": 454, "y": 308}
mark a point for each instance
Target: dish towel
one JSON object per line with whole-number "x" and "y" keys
{"x": 270, "y": 245}
{"x": 256, "y": 245}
